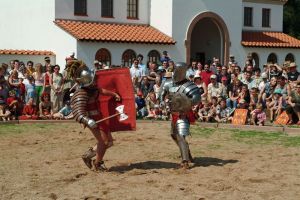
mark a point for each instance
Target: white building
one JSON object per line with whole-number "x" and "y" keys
{"x": 115, "y": 31}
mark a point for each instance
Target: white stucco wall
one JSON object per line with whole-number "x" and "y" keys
{"x": 29, "y": 25}
{"x": 281, "y": 53}
{"x": 184, "y": 13}
{"x": 64, "y": 9}
{"x": 276, "y": 18}
{"x": 161, "y": 15}
{"x": 87, "y": 50}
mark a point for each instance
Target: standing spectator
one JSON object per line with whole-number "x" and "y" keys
{"x": 206, "y": 74}
{"x": 199, "y": 68}
{"x": 30, "y": 90}
{"x": 191, "y": 71}
{"x": 39, "y": 82}
{"x": 156, "y": 87}
{"x": 15, "y": 82}
{"x": 294, "y": 105}
{"x": 47, "y": 65}
{"x": 293, "y": 75}
{"x": 165, "y": 57}
{"x": 47, "y": 75}
{"x": 57, "y": 84}
{"x": 274, "y": 70}
{"x": 68, "y": 83}
{"x": 214, "y": 88}
{"x": 248, "y": 80}
{"x": 140, "y": 57}
{"x": 201, "y": 85}
{"x": 136, "y": 74}
{"x": 171, "y": 66}
{"x": 30, "y": 69}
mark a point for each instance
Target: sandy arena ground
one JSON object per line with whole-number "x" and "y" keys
{"x": 44, "y": 163}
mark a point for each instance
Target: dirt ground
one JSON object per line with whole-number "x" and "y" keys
{"x": 43, "y": 162}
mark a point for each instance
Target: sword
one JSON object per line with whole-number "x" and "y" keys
{"x": 120, "y": 111}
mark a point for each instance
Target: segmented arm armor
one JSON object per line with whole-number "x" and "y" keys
{"x": 192, "y": 91}
{"x": 79, "y": 102}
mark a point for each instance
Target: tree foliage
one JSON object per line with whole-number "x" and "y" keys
{"x": 291, "y": 18}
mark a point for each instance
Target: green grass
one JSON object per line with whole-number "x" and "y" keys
{"x": 8, "y": 129}
{"x": 250, "y": 137}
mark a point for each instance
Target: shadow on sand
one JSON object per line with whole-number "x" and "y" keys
{"x": 152, "y": 165}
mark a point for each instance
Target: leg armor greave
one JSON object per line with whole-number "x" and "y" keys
{"x": 179, "y": 131}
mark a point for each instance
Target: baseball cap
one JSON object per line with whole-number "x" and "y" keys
{"x": 224, "y": 78}
{"x": 213, "y": 76}
{"x": 264, "y": 75}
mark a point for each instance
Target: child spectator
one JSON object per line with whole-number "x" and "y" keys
{"x": 223, "y": 113}
{"x": 244, "y": 97}
{"x": 39, "y": 81}
{"x": 141, "y": 110}
{"x": 5, "y": 114}
{"x": 204, "y": 113}
{"x": 277, "y": 105}
{"x": 29, "y": 111}
{"x": 65, "y": 112}
{"x": 45, "y": 107}
{"x": 14, "y": 104}
{"x": 258, "y": 116}
{"x": 30, "y": 90}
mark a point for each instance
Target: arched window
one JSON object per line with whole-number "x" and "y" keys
{"x": 128, "y": 57}
{"x": 154, "y": 56}
{"x": 272, "y": 58}
{"x": 290, "y": 57}
{"x": 256, "y": 59}
{"x": 104, "y": 56}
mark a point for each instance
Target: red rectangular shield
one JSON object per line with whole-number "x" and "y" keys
{"x": 117, "y": 80}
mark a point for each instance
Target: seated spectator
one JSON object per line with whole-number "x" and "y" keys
{"x": 254, "y": 99}
{"x": 258, "y": 116}
{"x": 65, "y": 112}
{"x": 293, "y": 107}
{"x": 151, "y": 101}
{"x": 14, "y": 104}
{"x": 5, "y": 114}
{"x": 277, "y": 105}
{"x": 234, "y": 89}
{"x": 145, "y": 86}
{"x": 224, "y": 88}
{"x": 141, "y": 109}
{"x": 29, "y": 111}
{"x": 243, "y": 97}
{"x": 283, "y": 86}
{"x": 223, "y": 114}
{"x": 205, "y": 114}
{"x": 45, "y": 107}
{"x": 266, "y": 94}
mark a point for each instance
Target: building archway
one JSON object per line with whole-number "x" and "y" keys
{"x": 213, "y": 42}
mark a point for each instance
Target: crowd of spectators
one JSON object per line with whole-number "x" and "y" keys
{"x": 42, "y": 91}
{"x": 265, "y": 93}
{"x": 34, "y": 91}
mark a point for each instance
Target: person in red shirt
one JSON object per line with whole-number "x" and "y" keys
{"x": 29, "y": 111}
{"x": 206, "y": 74}
{"x": 13, "y": 103}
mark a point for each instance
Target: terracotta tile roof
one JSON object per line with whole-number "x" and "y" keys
{"x": 269, "y": 39}
{"x": 25, "y": 52}
{"x": 108, "y": 32}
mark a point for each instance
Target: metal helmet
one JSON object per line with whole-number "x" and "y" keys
{"x": 86, "y": 78}
{"x": 179, "y": 72}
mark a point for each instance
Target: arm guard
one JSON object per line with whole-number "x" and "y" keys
{"x": 191, "y": 90}
{"x": 79, "y": 108}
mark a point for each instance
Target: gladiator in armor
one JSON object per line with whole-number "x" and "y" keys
{"x": 180, "y": 95}
{"x": 85, "y": 110}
